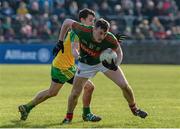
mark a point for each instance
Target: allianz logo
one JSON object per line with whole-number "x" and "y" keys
{"x": 19, "y": 54}
{"x": 42, "y": 55}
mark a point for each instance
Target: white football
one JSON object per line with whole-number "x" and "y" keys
{"x": 108, "y": 55}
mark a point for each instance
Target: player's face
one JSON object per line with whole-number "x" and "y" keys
{"x": 89, "y": 21}
{"x": 99, "y": 34}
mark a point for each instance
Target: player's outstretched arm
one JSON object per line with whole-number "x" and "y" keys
{"x": 67, "y": 24}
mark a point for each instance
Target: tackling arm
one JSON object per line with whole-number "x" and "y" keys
{"x": 67, "y": 24}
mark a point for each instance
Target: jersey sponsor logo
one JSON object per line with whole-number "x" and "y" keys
{"x": 89, "y": 51}
{"x": 90, "y": 44}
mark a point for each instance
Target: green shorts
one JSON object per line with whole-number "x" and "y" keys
{"x": 62, "y": 76}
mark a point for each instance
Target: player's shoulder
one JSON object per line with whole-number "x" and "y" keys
{"x": 82, "y": 27}
{"x": 111, "y": 38}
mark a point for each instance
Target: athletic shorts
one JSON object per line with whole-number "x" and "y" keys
{"x": 63, "y": 75}
{"x": 89, "y": 71}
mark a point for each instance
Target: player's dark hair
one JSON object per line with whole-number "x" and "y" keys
{"x": 85, "y": 12}
{"x": 103, "y": 24}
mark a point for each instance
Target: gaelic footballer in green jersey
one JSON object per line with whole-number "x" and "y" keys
{"x": 93, "y": 40}
{"x": 89, "y": 48}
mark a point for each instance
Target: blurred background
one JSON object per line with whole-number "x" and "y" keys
{"x": 29, "y": 28}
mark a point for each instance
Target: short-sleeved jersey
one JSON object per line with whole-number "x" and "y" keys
{"x": 89, "y": 49}
{"x": 65, "y": 60}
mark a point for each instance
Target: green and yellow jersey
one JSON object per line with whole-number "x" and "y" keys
{"x": 66, "y": 60}
{"x": 89, "y": 49}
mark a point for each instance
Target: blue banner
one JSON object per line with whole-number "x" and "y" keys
{"x": 26, "y": 53}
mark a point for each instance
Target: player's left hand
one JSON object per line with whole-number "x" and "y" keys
{"x": 59, "y": 46}
{"x": 120, "y": 37}
{"x": 111, "y": 66}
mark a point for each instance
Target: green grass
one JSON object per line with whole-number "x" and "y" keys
{"x": 156, "y": 87}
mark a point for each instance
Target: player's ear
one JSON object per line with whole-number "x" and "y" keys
{"x": 82, "y": 20}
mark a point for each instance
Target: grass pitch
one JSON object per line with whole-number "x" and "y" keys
{"x": 156, "y": 87}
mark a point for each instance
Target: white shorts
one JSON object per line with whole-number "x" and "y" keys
{"x": 89, "y": 71}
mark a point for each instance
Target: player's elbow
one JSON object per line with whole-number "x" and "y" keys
{"x": 68, "y": 22}
{"x": 119, "y": 58}
{"x": 120, "y": 53}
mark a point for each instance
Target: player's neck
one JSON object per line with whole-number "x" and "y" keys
{"x": 93, "y": 39}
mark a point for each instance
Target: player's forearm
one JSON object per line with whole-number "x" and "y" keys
{"x": 119, "y": 55}
{"x": 67, "y": 24}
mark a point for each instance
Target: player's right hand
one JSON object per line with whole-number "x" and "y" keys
{"x": 59, "y": 46}
{"x": 111, "y": 66}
